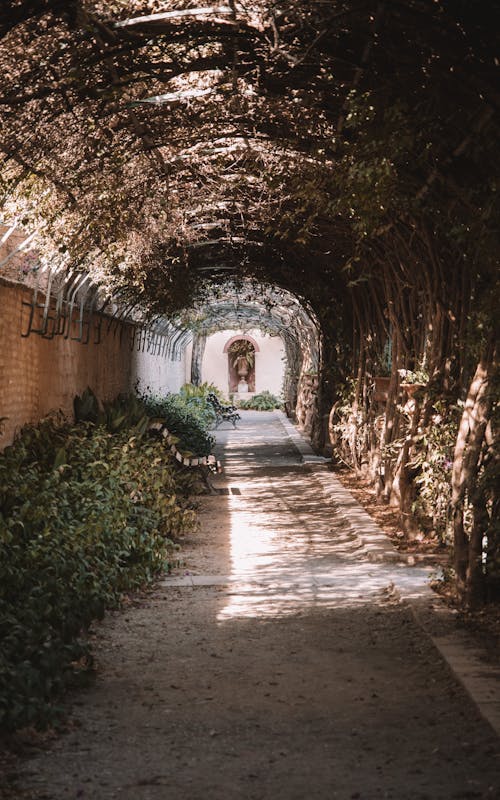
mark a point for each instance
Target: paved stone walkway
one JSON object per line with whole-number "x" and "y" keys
{"x": 296, "y": 533}
{"x": 282, "y": 661}
{"x": 300, "y": 539}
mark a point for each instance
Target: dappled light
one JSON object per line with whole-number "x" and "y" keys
{"x": 288, "y": 556}
{"x": 343, "y": 180}
{"x": 248, "y": 258}
{"x": 297, "y": 541}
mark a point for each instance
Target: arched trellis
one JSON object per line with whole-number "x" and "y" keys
{"x": 70, "y": 302}
{"x": 297, "y": 95}
{"x": 246, "y": 305}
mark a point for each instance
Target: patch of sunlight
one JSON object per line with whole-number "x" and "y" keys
{"x": 284, "y": 563}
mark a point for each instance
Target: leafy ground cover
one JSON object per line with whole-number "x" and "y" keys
{"x": 187, "y": 415}
{"x": 88, "y": 512}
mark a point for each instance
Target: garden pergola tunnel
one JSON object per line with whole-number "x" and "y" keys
{"x": 343, "y": 153}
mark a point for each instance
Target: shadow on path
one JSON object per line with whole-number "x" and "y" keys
{"x": 279, "y": 662}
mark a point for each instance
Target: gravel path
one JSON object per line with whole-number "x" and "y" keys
{"x": 280, "y": 662}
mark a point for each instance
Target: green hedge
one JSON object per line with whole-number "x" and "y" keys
{"x": 265, "y": 401}
{"x": 85, "y": 516}
{"x": 187, "y": 417}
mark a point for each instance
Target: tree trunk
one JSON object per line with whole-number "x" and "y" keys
{"x": 199, "y": 342}
{"x": 475, "y": 578}
{"x": 466, "y": 461}
{"x": 391, "y": 422}
{"x": 403, "y": 487}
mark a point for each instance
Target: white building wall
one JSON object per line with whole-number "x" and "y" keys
{"x": 157, "y": 373}
{"x": 188, "y": 354}
{"x": 269, "y": 361}
{"x": 161, "y": 376}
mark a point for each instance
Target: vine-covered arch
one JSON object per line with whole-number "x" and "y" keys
{"x": 244, "y": 305}
{"x": 306, "y": 147}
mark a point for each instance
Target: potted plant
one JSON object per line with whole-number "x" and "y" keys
{"x": 413, "y": 380}
{"x": 381, "y": 388}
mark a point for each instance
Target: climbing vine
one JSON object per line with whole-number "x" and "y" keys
{"x": 305, "y": 146}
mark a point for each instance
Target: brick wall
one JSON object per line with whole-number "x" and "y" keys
{"x": 38, "y": 375}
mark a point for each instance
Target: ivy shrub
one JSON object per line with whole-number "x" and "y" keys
{"x": 432, "y": 463}
{"x": 264, "y": 401}
{"x": 187, "y": 417}
{"x": 85, "y": 516}
{"x": 124, "y": 412}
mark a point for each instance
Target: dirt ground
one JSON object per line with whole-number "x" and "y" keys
{"x": 286, "y": 685}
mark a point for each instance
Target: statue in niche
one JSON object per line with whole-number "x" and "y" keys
{"x": 241, "y": 366}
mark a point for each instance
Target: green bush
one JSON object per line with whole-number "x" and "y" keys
{"x": 189, "y": 391}
{"x": 195, "y": 398}
{"x": 432, "y": 465}
{"x": 85, "y": 516}
{"x": 188, "y": 418}
{"x": 187, "y": 415}
{"x": 125, "y": 412}
{"x": 265, "y": 401}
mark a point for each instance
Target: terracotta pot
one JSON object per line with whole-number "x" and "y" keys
{"x": 411, "y": 388}
{"x": 381, "y": 388}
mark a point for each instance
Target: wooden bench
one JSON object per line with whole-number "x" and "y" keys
{"x": 223, "y": 413}
{"x": 205, "y": 464}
